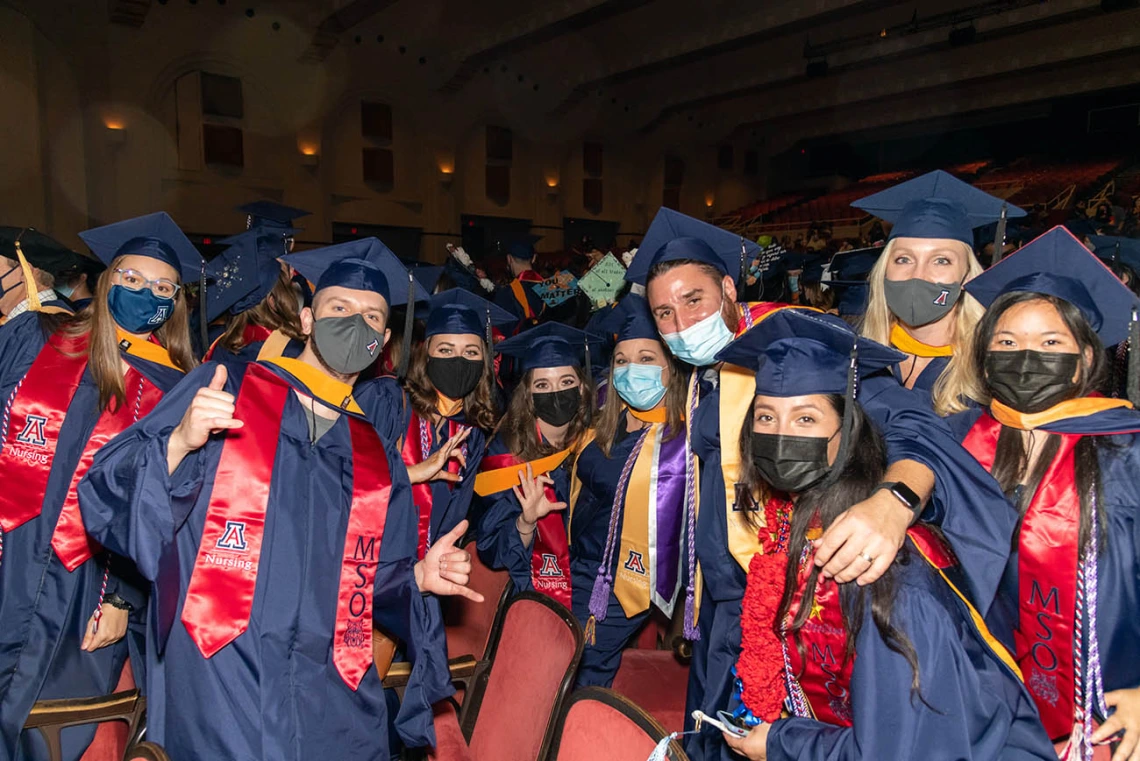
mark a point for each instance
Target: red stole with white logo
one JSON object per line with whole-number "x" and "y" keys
{"x": 220, "y": 595}
{"x": 1047, "y": 559}
{"x": 416, "y": 449}
{"x": 550, "y": 553}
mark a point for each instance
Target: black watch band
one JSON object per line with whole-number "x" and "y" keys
{"x": 902, "y": 493}
{"x": 115, "y": 601}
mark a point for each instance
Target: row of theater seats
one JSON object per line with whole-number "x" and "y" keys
{"x": 514, "y": 664}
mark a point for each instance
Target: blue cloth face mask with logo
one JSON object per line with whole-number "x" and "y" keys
{"x": 138, "y": 311}
{"x": 699, "y": 344}
{"x": 639, "y": 385}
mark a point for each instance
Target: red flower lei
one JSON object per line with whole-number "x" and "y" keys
{"x": 761, "y": 664}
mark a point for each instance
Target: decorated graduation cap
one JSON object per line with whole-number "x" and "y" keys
{"x": 243, "y": 275}
{"x": 675, "y": 237}
{"x": 152, "y": 235}
{"x": 272, "y": 217}
{"x": 551, "y": 344}
{"x": 631, "y": 319}
{"x": 1111, "y": 248}
{"x": 1056, "y": 264}
{"x": 521, "y": 247}
{"x": 937, "y": 205}
{"x": 795, "y": 353}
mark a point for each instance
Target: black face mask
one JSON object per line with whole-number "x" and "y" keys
{"x": 790, "y": 463}
{"x": 454, "y": 377}
{"x": 558, "y": 408}
{"x": 1031, "y": 381}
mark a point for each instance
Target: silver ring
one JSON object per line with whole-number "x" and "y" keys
{"x": 867, "y": 557}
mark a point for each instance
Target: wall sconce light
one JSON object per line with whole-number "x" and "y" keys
{"x": 552, "y": 185}
{"x": 116, "y": 131}
{"x": 310, "y": 156}
{"x": 446, "y": 173}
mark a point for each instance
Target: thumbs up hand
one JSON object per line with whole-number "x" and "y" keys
{"x": 211, "y": 411}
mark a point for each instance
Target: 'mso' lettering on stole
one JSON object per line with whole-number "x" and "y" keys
{"x": 1040, "y": 682}
{"x": 355, "y": 634}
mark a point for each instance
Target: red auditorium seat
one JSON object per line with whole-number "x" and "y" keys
{"x": 469, "y": 625}
{"x": 656, "y": 680}
{"x": 512, "y": 705}
{"x": 600, "y": 724}
{"x": 126, "y": 708}
{"x": 146, "y": 752}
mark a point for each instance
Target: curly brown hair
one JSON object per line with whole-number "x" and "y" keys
{"x": 478, "y": 406}
{"x": 518, "y": 425}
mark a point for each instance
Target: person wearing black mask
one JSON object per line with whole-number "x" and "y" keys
{"x": 840, "y": 670}
{"x": 451, "y": 390}
{"x": 1067, "y": 458}
{"x": 525, "y": 478}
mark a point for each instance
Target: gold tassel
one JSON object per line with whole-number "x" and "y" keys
{"x": 592, "y": 631}
{"x": 29, "y": 280}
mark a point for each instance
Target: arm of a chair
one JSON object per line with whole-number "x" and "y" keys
{"x": 462, "y": 667}
{"x": 120, "y": 705}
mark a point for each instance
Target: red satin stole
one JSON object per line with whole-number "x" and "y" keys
{"x": 35, "y": 420}
{"x": 417, "y": 448}
{"x": 251, "y": 334}
{"x": 220, "y": 595}
{"x": 1047, "y": 558}
{"x": 550, "y": 552}
{"x": 825, "y": 674}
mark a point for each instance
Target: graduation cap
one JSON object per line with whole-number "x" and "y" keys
{"x": 1111, "y": 248}
{"x": 243, "y": 275}
{"x": 796, "y": 353}
{"x": 631, "y": 319}
{"x": 675, "y": 237}
{"x": 848, "y": 275}
{"x": 45, "y": 252}
{"x": 1056, "y": 264}
{"x": 521, "y": 247}
{"x": 365, "y": 264}
{"x": 152, "y": 235}
{"x": 812, "y": 268}
{"x": 551, "y": 344}
{"x": 1081, "y": 228}
{"x": 936, "y": 205}
{"x": 459, "y": 311}
{"x": 273, "y": 217}
{"x": 426, "y": 275}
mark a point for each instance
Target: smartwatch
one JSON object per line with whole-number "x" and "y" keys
{"x": 902, "y": 493}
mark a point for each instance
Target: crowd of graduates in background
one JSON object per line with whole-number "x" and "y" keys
{"x": 884, "y": 491}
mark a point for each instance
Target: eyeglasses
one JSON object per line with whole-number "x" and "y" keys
{"x": 136, "y": 281}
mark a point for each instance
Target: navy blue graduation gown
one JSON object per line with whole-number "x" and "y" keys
{"x": 1118, "y": 564}
{"x": 924, "y": 384}
{"x": 589, "y": 528}
{"x": 44, "y": 609}
{"x": 496, "y": 536}
{"x": 966, "y": 504}
{"x": 506, "y": 298}
{"x": 274, "y": 691}
{"x": 971, "y": 705}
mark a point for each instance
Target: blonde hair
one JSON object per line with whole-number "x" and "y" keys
{"x": 958, "y": 382}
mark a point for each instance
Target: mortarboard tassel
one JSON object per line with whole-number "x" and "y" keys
{"x": 203, "y": 323}
{"x": 489, "y": 350}
{"x": 848, "y": 422}
{"x": 999, "y": 236}
{"x": 1133, "y": 390}
{"x": 409, "y": 318}
{"x": 29, "y": 278}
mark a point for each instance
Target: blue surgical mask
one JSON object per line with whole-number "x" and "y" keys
{"x": 138, "y": 311}
{"x": 699, "y": 344}
{"x": 639, "y": 385}
{"x": 794, "y": 283}
{"x": 65, "y": 290}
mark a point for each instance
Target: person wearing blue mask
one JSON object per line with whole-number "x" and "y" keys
{"x": 69, "y": 387}
{"x": 276, "y": 530}
{"x": 690, "y": 277}
{"x": 896, "y": 669}
{"x": 629, "y": 496}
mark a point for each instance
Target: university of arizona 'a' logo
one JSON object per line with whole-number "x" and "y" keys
{"x": 549, "y": 565}
{"x": 942, "y": 296}
{"x": 33, "y": 433}
{"x": 233, "y": 538}
{"x": 160, "y": 316}
{"x": 635, "y": 563}
{"x": 372, "y": 346}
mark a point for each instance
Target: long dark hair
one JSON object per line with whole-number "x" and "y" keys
{"x": 863, "y": 471}
{"x": 1010, "y": 457}
{"x": 518, "y": 425}
{"x": 478, "y": 406}
{"x": 277, "y": 311}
